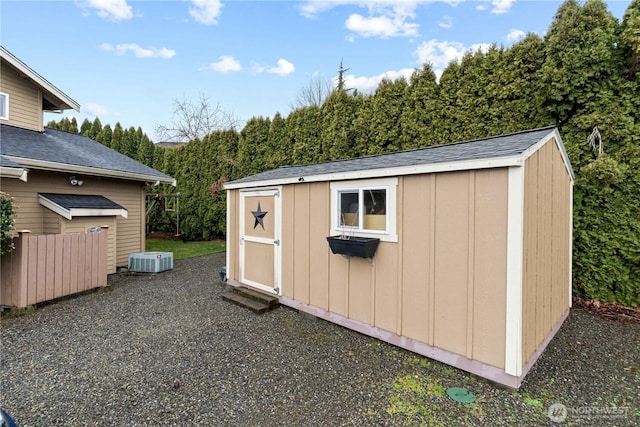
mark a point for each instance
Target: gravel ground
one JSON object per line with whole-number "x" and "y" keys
{"x": 164, "y": 349}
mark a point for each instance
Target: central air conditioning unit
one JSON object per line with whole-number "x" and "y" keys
{"x": 150, "y": 262}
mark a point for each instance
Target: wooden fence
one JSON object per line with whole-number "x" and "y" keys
{"x": 46, "y": 267}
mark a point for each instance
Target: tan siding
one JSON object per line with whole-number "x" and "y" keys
{"x": 338, "y": 284}
{"x": 360, "y": 285}
{"x": 490, "y": 266}
{"x": 51, "y": 222}
{"x": 30, "y": 214}
{"x": 386, "y": 286}
{"x": 451, "y": 266}
{"x": 301, "y": 244}
{"x": 417, "y": 215}
{"x": 25, "y": 100}
{"x": 546, "y": 245}
{"x": 319, "y": 255}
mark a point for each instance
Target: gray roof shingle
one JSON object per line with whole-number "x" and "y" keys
{"x": 81, "y": 201}
{"x": 70, "y": 149}
{"x": 487, "y": 148}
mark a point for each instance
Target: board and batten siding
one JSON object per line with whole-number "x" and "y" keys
{"x": 546, "y": 246}
{"x": 443, "y": 283}
{"x": 129, "y": 233}
{"x": 25, "y": 100}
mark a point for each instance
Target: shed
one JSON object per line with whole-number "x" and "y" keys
{"x": 473, "y": 264}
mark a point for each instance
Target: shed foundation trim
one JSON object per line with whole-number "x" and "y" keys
{"x": 473, "y": 366}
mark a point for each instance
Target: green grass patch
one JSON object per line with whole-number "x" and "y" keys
{"x": 183, "y": 250}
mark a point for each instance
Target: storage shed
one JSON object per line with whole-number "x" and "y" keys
{"x": 473, "y": 259}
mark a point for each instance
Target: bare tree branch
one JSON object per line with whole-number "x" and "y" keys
{"x": 195, "y": 119}
{"x": 313, "y": 93}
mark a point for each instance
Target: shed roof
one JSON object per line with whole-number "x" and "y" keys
{"x": 69, "y": 152}
{"x": 495, "y": 151}
{"x": 73, "y": 205}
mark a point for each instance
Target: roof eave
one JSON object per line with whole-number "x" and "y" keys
{"x": 9, "y": 172}
{"x": 487, "y": 163}
{"x": 65, "y": 101}
{"x": 87, "y": 170}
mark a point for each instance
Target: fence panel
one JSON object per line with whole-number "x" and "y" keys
{"x": 45, "y": 267}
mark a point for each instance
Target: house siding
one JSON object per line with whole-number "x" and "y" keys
{"x": 547, "y": 239}
{"x": 129, "y": 232}
{"x": 25, "y": 100}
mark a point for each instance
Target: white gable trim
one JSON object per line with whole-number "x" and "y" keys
{"x": 37, "y": 79}
{"x": 389, "y": 172}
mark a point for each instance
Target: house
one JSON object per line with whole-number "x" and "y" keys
{"x": 62, "y": 182}
{"x": 473, "y": 259}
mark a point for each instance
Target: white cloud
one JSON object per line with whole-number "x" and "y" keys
{"x": 501, "y": 6}
{"x": 384, "y": 26}
{"x": 446, "y": 22}
{"x": 138, "y": 51}
{"x": 206, "y": 11}
{"x": 226, "y": 64}
{"x": 113, "y": 10}
{"x": 369, "y": 84}
{"x": 98, "y": 110}
{"x": 284, "y": 68}
{"x": 515, "y": 35}
{"x": 440, "y": 53}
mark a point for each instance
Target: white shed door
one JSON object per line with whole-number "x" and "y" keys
{"x": 260, "y": 239}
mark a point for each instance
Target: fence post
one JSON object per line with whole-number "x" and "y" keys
{"x": 22, "y": 252}
{"x": 104, "y": 255}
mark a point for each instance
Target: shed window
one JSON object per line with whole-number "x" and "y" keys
{"x": 365, "y": 208}
{"x": 4, "y": 106}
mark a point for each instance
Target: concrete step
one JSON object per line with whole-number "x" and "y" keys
{"x": 253, "y": 300}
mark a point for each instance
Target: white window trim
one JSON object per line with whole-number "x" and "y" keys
{"x": 389, "y": 184}
{"x": 6, "y": 106}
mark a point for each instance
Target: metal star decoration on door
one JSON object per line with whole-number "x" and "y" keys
{"x": 259, "y": 216}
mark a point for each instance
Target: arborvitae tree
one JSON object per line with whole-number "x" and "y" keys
{"x": 388, "y": 105}
{"x": 630, "y": 35}
{"x": 253, "y": 150}
{"x": 303, "y": 132}
{"x": 337, "y": 140}
{"x": 104, "y": 136}
{"x": 421, "y": 119}
{"x": 363, "y": 133}
{"x": 278, "y": 143}
{"x": 145, "y": 150}
{"x": 117, "y": 138}
{"x": 519, "y": 86}
{"x": 85, "y": 127}
{"x": 96, "y": 128}
{"x": 73, "y": 125}
{"x": 579, "y": 72}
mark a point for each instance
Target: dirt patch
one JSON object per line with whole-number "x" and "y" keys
{"x": 163, "y": 235}
{"x": 613, "y": 311}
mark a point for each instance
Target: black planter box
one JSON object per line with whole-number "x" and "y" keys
{"x": 363, "y": 247}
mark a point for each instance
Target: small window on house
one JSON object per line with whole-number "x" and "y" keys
{"x": 4, "y": 106}
{"x": 365, "y": 208}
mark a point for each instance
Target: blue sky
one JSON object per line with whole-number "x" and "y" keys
{"x": 126, "y": 61}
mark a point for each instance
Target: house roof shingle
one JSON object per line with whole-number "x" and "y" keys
{"x": 503, "y": 146}
{"x": 71, "y": 152}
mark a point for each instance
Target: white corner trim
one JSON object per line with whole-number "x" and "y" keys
{"x": 228, "y": 239}
{"x": 515, "y": 247}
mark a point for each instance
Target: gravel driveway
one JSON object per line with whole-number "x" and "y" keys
{"x": 165, "y": 349}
